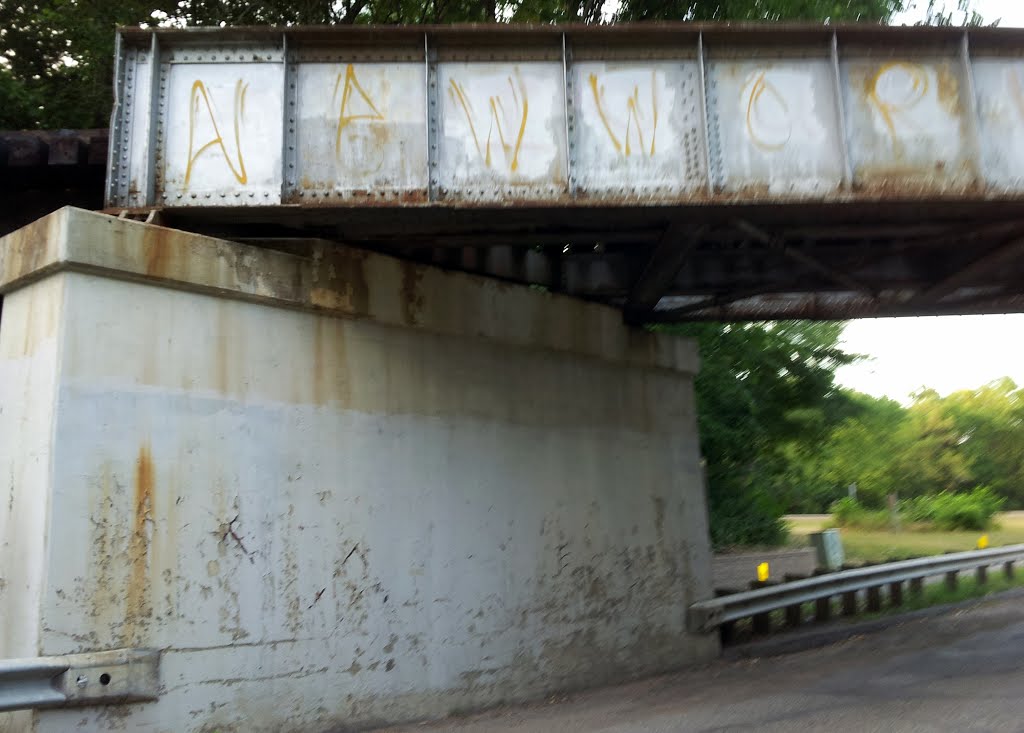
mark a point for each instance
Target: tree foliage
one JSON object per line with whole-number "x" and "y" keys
{"x": 763, "y": 390}
{"x": 56, "y": 56}
{"x": 936, "y": 444}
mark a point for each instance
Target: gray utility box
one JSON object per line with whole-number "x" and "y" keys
{"x": 829, "y": 548}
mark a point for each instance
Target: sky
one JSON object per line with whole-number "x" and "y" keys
{"x": 1009, "y": 13}
{"x": 948, "y": 353}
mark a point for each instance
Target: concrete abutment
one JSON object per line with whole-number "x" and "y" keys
{"x": 335, "y": 490}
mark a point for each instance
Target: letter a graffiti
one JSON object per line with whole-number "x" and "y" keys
{"x": 201, "y": 96}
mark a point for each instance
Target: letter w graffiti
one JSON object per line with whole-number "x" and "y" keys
{"x": 200, "y": 97}
{"x": 636, "y": 119}
{"x": 504, "y": 122}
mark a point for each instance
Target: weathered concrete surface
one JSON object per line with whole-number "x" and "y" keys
{"x": 455, "y": 493}
{"x": 958, "y": 672}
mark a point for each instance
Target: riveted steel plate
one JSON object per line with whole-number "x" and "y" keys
{"x": 502, "y": 130}
{"x": 999, "y": 84}
{"x": 361, "y": 128}
{"x": 638, "y": 128}
{"x": 542, "y": 115}
{"x": 907, "y": 122}
{"x": 222, "y": 134}
{"x": 774, "y": 126}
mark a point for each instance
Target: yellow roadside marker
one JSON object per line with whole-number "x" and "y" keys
{"x": 762, "y": 572}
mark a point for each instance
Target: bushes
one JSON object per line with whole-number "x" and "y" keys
{"x": 848, "y": 512}
{"x": 948, "y": 511}
{"x": 944, "y": 511}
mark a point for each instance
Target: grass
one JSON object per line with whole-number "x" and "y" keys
{"x": 879, "y": 546}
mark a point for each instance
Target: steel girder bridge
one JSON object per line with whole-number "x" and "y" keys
{"x": 676, "y": 171}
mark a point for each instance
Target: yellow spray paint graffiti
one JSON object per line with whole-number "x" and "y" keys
{"x": 635, "y": 118}
{"x": 895, "y": 89}
{"x": 349, "y": 85}
{"x": 500, "y": 120}
{"x": 200, "y": 95}
{"x": 768, "y": 122}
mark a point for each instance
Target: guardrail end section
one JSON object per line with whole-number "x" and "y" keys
{"x": 80, "y": 680}
{"x": 703, "y": 619}
{"x": 118, "y": 675}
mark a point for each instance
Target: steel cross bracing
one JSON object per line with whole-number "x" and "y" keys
{"x": 677, "y": 171}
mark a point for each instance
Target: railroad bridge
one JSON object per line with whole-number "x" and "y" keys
{"x": 335, "y": 405}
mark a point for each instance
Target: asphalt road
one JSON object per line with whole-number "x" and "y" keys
{"x": 961, "y": 671}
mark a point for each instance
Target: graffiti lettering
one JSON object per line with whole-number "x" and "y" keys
{"x": 500, "y": 120}
{"x": 767, "y": 118}
{"x": 347, "y": 115}
{"x": 635, "y": 118}
{"x": 895, "y": 89}
{"x": 200, "y": 95}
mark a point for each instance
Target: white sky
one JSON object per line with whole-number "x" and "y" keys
{"x": 949, "y": 353}
{"x": 1007, "y": 12}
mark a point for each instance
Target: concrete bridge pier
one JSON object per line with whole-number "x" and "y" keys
{"x": 334, "y": 488}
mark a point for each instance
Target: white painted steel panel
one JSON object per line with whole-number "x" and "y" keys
{"x": 361, "y": 127}
{"x": 223, "y": 134}
{"x": 774, "y": 126}
{"x": 638, "y": 127}
{"x": 999, "y": 84}
{"x": 502, "y": 129}
{"x": 906, "y": 121}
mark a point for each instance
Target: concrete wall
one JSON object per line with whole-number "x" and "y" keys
{"x": 336, "y": 490}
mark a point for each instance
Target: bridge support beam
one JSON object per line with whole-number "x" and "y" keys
{"x": 334, "y": 488}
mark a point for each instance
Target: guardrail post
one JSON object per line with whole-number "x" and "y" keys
{"x": 823, "y": 610}
{"x": 794, "y": 613}
{"x": 896, "y": 594}
{"x": 822, "y": 606}
{"x": 727, "y": 630}
{"x": 762, "y": 622}
{"x": 981, "y": 574}
{"x": 1008, "y": 569}
{"x": 874, "y": 599}
{"x": 951, "y": 580}
{"x": 850, "y": 603}
{"x": 916, "y": 587}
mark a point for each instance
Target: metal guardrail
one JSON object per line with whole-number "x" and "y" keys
{"x": 705, "y": 616}
{"x": 79, "y": 680}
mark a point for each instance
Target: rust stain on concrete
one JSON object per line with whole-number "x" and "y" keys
{"x": 138, "y": 605}
{"x": 157, "y": 250}
{"x": 331, "y": 376}
{"x": 340, "y": 281}
{"x": 411, "y": 297}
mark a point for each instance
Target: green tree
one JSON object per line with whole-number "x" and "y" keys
{"x": 989, "y": 425}
{"x": 763, "y": 389}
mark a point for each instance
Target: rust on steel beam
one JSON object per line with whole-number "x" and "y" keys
{"x": 668, "y": 257}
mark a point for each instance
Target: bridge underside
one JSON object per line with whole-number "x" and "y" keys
{"x": 672, "y": 264}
